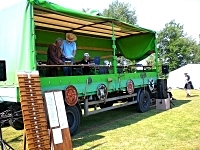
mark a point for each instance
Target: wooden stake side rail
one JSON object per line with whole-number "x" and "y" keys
{"x": 33, "y": 111}
{"x": 92, "y": 66}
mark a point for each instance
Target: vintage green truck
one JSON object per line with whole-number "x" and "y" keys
{"x": 30, "y": 26}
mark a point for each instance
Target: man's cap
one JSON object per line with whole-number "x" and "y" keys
{"x": 86, "y": 54}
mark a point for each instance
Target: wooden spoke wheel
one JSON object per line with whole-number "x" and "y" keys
{"x": 151, "y": 84}
{"x": 130, "y": 87}
{"x": 71, "y": 95}
{"x": 101, "y": 92}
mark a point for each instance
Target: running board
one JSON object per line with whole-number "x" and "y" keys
{"x": 109, "y": 108}
{"x": 110, "y": 99}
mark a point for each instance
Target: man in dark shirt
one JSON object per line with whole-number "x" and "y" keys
{"x": 85, "y": 61}
{"x": 54, "y": 58}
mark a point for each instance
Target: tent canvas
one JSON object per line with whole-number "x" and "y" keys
{"x": 176, "y": 78}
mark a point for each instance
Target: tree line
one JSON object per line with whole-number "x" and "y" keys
{"x": 175, "y": 47}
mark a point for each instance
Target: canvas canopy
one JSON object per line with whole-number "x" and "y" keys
{"x": 176, "y": 78}
{"x": 20, "y": 20}
{"x": 133, "y": 42}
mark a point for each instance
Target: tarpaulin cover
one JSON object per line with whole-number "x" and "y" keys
{"x": 17, "y": 35}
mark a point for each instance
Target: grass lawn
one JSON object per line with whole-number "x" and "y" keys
{"x": 125, "y": 129}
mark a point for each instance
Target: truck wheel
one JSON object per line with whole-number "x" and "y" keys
{"x": 17, "y": 124}
{"x": 144, "y": 101}
{"x": 73, "y": 116}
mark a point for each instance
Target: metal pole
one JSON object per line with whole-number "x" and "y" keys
{"x": 2, "y": 142}
{"x": 1, "y": 139}
{"x": 114, "y": 50}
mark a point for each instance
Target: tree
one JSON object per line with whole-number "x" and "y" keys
{"x": 197, "y": 54}
{"x": 86, "y": 10}
{"x": 150, "y": 60}
{"x": 121, "y": 11}
{"x": 174, "y": 47}
{"x": 92, "y": 12}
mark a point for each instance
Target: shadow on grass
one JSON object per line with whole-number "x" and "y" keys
{"x": 194, "y": 96}
{"x": 177, "y": 103}
{"x": 94, "y": 146}
{"x": 79, "y": 140}
{"x": 16, "y": 139}
{"x": 93, "y": 125}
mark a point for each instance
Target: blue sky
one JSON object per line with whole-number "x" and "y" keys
{"x": 151, "y": 14}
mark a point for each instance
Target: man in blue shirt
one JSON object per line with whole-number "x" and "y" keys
{"x": 68, "y": 49}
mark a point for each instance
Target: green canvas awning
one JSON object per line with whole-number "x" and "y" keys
{"x": 20, "y": 20}
{"x": 133, "y": 42}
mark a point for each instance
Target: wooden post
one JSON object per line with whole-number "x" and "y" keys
{"x": 24, "y": 140}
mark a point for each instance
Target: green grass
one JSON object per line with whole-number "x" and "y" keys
{"x": 125, "y": 129}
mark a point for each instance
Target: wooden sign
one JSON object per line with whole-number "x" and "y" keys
{"x": 59, "y": 128}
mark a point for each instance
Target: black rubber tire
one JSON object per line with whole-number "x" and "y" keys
{"x": 17, "y": 124}
{"x": 143, "y": 104}
{"x": 73, "y": 117}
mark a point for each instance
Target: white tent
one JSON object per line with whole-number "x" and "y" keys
{"x": 176, "y": 78}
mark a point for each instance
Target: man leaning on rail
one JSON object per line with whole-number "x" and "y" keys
{"x": 54, "y": 58}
